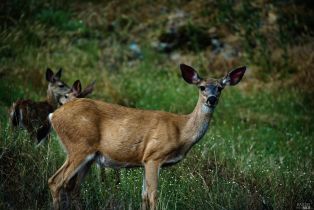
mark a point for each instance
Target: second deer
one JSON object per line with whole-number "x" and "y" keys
{"x": 33, "y": 116}
{"x": 76, "y": 92}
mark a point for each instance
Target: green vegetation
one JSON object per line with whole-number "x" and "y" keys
{"x": 258, "y": 151}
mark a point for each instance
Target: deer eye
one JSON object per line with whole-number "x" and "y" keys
{"x": 66, "y": 96}
{"x": 202, "y": 88}
{"x": 61, "y": 86}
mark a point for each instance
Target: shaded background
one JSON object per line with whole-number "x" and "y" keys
{"x": 259, "y": 149}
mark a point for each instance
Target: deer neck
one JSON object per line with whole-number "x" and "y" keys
{"x": 51, "y": 99}
{"x": 197, "y": 122}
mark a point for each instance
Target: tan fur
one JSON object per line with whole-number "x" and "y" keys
{"x": 124, "y": 134}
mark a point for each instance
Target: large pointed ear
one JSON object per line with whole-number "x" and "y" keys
{"x": 189, "y": 74}
{"x": 59, "y": 73}
{"x": 49, "y": 75}
{"x": 234, "y": 77}
{"x": 89, "y": 88}
{"x": 76, "y": 88}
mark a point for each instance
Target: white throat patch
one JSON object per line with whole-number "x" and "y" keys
{"x": 206, "y": 109}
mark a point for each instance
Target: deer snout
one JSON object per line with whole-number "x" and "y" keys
{"x": 212, "y": 100}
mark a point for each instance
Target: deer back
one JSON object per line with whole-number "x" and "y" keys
{"x": 122, "y": 133}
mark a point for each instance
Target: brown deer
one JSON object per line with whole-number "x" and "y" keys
{"x": 33, "y": 116}
{"x": 116, "y": 136}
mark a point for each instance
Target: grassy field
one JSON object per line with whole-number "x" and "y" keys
{"x": 258, "y": 152}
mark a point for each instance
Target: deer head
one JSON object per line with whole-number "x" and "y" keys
{"x": 76, "y": 92}
{"x": 56, "y": 87}
{"x": 210, "y": 89}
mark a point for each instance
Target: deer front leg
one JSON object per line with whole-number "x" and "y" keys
{"x": 150, "y": 184}
{"x": 144, "y": 194}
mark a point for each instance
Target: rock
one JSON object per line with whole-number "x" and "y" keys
{"x": 135, "y": 50}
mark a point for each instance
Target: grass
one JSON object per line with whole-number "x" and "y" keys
{"x": 257, "y": 153}
{"x": 247, "y": 160}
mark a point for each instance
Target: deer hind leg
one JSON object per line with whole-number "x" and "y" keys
{"x": 55, "y": 186}
{"x": 150, "y": 185}
{"x": 73, "y": 185}
{"x": 58, "y": 181}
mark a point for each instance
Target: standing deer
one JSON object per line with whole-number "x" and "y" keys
{"x": 116, "y": 136}
{"x": 33, "y": 116}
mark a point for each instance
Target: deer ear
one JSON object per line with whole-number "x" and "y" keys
{"x": 59, "y": 73}
{"x": 234, "y": 77}
{"x": 49, "y": 75}
{"x": 76, "y": 87}
{"x": 189, "y": 74}
{"x": 89, "y": 88}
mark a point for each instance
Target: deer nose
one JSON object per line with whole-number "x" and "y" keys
{"x": 212, "y": 100}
